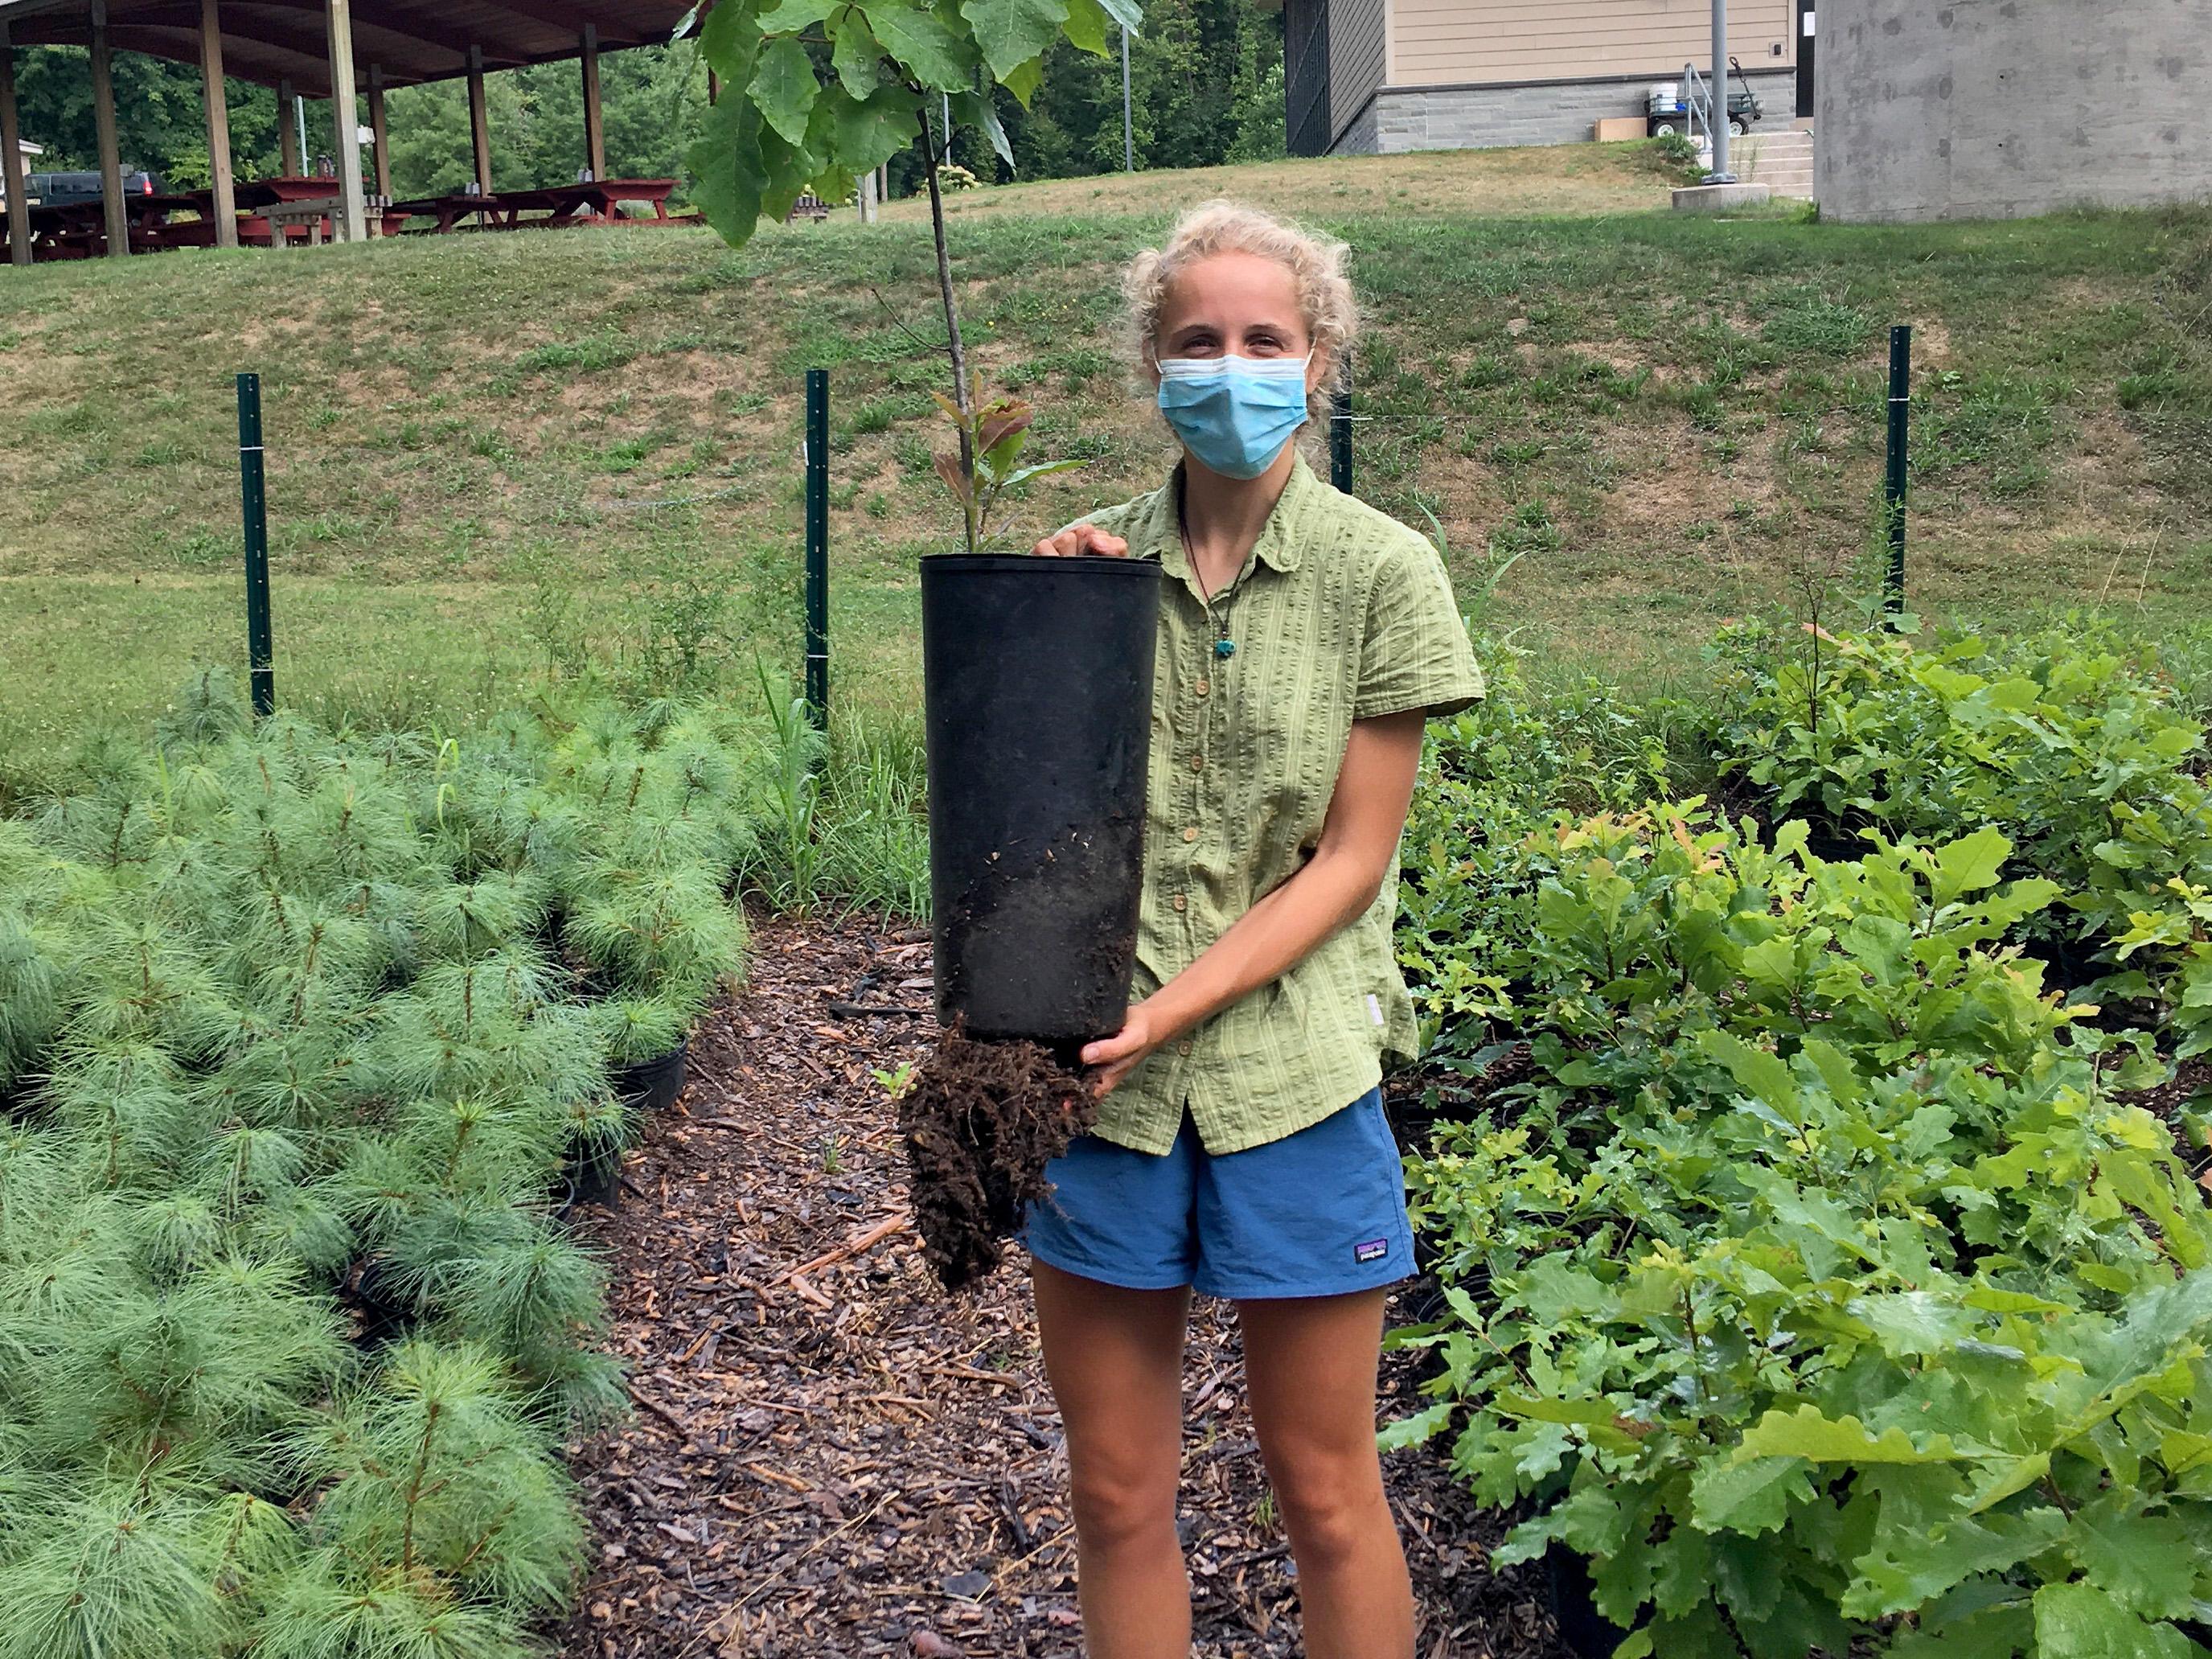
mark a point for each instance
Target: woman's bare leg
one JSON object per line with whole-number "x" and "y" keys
{"x": 1115, "y": 1359}
{"x": 1309, "y": 1364}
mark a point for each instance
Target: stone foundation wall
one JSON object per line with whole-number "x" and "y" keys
{"x": 1400, "y": 119}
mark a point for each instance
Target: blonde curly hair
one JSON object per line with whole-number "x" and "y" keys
{"x": 1316, "y": 263}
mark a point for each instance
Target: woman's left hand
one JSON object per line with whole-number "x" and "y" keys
{"x": 1113, "y": 1058}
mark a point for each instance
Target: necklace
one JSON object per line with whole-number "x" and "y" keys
{"x": 1224, "y": 646}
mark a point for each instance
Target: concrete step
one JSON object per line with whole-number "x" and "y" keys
{"x": 1780, "y": 158}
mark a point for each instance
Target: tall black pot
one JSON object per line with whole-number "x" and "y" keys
{"x": 1037, "y": 678}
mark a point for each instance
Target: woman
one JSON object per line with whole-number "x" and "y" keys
{"x": 1241, "y": 1148}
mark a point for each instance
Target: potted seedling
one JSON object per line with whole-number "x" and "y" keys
{"x": 1037, "y": 677}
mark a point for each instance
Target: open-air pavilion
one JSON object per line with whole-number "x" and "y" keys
{"x": 335, "y": 49}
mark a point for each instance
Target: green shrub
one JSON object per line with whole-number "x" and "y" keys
{"x": 2066, "y": 741}
{"x": 1815, "y": 1286}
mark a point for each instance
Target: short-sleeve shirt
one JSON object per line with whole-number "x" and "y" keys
{"x": 1341, "y": 613}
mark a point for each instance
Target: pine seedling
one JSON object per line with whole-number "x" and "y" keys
{"x": 302, "y": 1079}
{"x": 438, "y": 1474}
{"x": 462, "y": 920}
{"x": 299, "y": 960}
{"x": 239, "y": 1165}
{"x": 535, "y": 1300}
{"x": 144, "y": 1130}
{"x": 177, "y": 1232}
{"x": 136, "y": 979}
{"x": 107, "y": 826}
{"x": 300, "y": 1225}
{"x": 667, "y": 931}
{"x": 194, "y": 1374}
{"x": 206, "y": 709}
{"x": 637, "y": 1029}
{"x": 332, "y": 1607}
{"x": 479, "y": 1145}
{"x": 430, "y": 1244}
{"x": 34, "y": 1178}
{"x": 31, "y": 971}
{"x": 115, "y": 1573}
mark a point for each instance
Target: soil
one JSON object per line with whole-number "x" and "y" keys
{"x": 981, "y": 1119}
{"x": 831, "y": 1457}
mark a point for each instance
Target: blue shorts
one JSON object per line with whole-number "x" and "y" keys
{"x": 1321, "y": 1212}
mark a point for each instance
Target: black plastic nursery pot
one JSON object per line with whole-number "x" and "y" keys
{"x": 1037, "y": 686}
{"x": 591, "y": 1173}
{"x": 652, "y": 1086}
{"x": 1587, "y": 1633}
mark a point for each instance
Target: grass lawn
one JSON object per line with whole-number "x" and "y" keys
{"x": 491, "y": 452}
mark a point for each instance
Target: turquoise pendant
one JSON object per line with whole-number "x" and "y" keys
{"x": 1225, "y": 648}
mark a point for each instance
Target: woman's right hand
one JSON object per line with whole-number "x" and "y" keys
{"x": 1078, "y": 540}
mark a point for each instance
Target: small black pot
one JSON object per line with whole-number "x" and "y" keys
{"x": 590, "y": 1174}
{"x": 652, "y": 1086}
{"x": 1587, "y": 1633}
{"x": 386, "y": 1315}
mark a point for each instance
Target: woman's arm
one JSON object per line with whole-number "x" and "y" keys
{"x": 1359, "y": 840}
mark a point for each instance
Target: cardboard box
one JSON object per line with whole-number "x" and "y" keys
{"x": 1614, "y": 127}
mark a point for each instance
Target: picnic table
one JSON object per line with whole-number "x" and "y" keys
{"x": 596, "y": 202}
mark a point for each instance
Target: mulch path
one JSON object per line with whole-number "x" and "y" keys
{"x": 843, "y": 1460}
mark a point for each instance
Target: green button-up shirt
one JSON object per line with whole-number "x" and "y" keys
{"x": 1341, "y": 614}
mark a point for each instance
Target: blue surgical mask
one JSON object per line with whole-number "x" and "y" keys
{"x": 1234, "y": 414}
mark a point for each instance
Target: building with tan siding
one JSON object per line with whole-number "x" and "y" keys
{"x": 1367, "y": 75}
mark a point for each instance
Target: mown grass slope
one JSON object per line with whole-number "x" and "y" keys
{"x": 488, "y": 452}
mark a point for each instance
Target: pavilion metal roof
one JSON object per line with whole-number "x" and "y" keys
{"x": 407, "y": 40}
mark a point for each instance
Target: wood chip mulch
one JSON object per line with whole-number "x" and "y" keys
{"x": 831, "y": 1457}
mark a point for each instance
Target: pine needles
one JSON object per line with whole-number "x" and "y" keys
{"x": 291, "y": 1022}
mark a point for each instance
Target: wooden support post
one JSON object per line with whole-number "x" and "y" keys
{"x": 595, "y": 125}
{"x": 288, "y": 133}
{"x": 479, "y": 126}
{"x": 12, "y": 170}
{"x": 345, "y": 117}
{"x": 379, "y": 135}
{"x": 218, "y": 126}
{"x": 112, "y": 210}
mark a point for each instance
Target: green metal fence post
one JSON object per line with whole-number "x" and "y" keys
{"x": 1340, "y": 440}
{"x": 253, "y": 502}
{"x": 1894, "y": 478}
{"x": 817, "y": 547}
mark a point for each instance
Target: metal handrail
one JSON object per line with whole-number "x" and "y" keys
{"x": 1696, "y": 100}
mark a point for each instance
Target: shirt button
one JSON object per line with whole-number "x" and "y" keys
{"x": 1183, "y": 1047}
{"x": 1180, "y": 903}
{"x": 1205, "y": 686}
{"x": 1190, "y": 834}
{"x": 1197, "y": 763}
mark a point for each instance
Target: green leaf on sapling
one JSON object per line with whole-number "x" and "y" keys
{"x": 854, "y": 52}
{"x": 1010, "y": 32}
{"x": 864, "y": 134}
{"x": 1024, "y": 80}
{"x": 725, "y": 161}
{"x": 2081, "y": 1621}
{"x": 1085, "y": 27}
{"x": 979, "y": 109}
{"x": 931, "y": 52}
{"x": 784, "y": 87}
{"x": 790, "y": 16}
{"x": 730, "y": 41}
{"x": 1751, "y": 1498}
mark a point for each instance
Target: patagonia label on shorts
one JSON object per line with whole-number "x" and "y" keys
{"x": 1370, "y": 1249}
